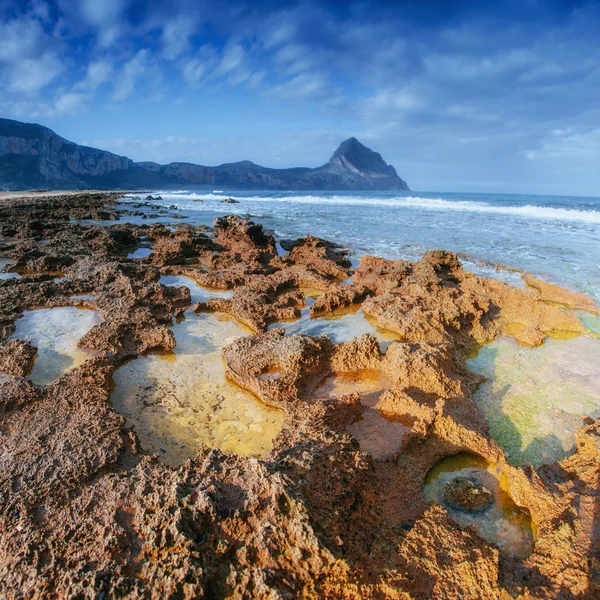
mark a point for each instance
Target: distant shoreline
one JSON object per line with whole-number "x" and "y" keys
{"x": 51, "y": 194}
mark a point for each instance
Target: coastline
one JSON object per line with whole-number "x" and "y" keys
{"x": 400, "y": 227}
{"x": 25, "y": 195}
{"x": 317, "y": 515}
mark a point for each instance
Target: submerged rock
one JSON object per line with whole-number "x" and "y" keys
{"x": 466, "y": 493}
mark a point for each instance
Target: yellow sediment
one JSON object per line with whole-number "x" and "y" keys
{"x": 177, "y": 401}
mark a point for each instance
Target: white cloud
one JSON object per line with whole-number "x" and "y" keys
{"x": 105, "y": 17}
{"x": 255, "y": 80}
{"x": 233, "y": 58}
{"x": 20, "y": 38}
{"x": 279, "y": 28}
{"x": 394, "y": 101}
{"x": 29, "y": 57}
{"x": 69, "y": 103}
{"x": 175, "y": 35}
{"x": 306, "y": 87}
{"x": 65, "y": 103}
{"x": 199, "y": 66}
{"x": 40, "y": 10}
{"x": 232, "y": 65}
{"x": 131, "y": 73}
{"x": 30, "y": 75}
{"x": 567, "y": 145}
{"x": 100, "y": 13}
{"x": 471, "y": 112}
{"x": 98, "y": 72}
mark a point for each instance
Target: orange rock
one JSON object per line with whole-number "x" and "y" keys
{"x": 84, "y": 511}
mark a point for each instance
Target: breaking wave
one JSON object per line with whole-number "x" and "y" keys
{"x": 530, "y": 211}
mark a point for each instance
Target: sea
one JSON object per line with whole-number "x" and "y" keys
{"x": 553, "y": 237}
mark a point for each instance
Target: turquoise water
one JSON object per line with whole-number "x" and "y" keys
{"x": 535, "y": 399}
{"x": 555, "y": 237}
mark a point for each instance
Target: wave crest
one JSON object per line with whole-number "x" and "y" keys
{"x": 530, "y": 211}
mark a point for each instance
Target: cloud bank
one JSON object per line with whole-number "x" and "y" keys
{"x": 458, "y": 95}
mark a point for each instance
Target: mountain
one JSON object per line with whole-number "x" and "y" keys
{"x": 33, "y": 157}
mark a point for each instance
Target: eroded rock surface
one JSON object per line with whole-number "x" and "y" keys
{"x": 86, "y": 511}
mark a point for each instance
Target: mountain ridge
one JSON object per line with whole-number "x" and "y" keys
{"x": 34, "y": 156}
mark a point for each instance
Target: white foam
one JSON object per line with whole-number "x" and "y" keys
{"x": 529, "y": 211}
{"x": 184, "y": 195}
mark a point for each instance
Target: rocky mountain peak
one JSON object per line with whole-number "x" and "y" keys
{"x": 353, "y": 156}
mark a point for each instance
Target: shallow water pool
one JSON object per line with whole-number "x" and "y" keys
{"x": 55, "y": 332}
{"x": 376, "y": 435}
{"x": 340, "y": 326}
{"x": 197, "y": 292}
{"x": 534, "y": 398}
{"x": 4, "y": 263}
{"x": 141, "y": 252}
{"x": 503, "y": 523}
{"x": 177, "y": 400}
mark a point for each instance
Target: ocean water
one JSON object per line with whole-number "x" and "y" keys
{"x": 557, "y": 238}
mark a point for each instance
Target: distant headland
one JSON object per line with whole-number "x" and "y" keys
{"x": 33, "y": 156}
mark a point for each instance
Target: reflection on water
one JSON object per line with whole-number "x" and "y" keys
{"x": 376, "y": 435}
{"x": 141, "y": 252}
{"x": 340, "y": 326}
{"x": 503, "y": 523}
{"x": 176, "y": 401}
{"x": 534, "y": 398}
{"x": 55, "y": 332}
{"x": 4, "y": 263}
{"x": 198, "y": 293}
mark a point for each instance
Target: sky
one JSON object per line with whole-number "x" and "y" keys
{"x": 459, "y": 95}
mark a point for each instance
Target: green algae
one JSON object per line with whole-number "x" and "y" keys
{"x": 534, "y": 399}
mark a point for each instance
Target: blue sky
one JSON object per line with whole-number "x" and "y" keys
{"x": 457, "y": 95}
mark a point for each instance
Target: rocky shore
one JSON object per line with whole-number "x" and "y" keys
{"x": 87, "y": 511}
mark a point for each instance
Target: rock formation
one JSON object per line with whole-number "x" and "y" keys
{"x": 86, "y": 511}
{"x": 465, "y": 493}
